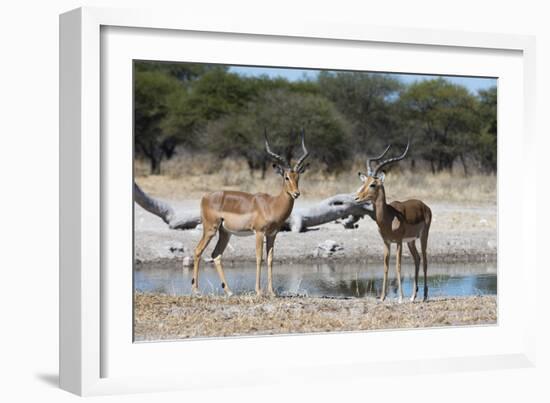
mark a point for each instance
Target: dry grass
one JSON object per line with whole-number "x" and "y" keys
{"x": 169, "y": 317}
{"x": 192, "y": 176}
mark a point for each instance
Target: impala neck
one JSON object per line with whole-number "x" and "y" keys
{"x": 284, "y": 203}
{"x": 381, "y": 208}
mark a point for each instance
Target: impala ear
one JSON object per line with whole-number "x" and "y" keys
{"x": 381, "y": 176}
{"x": 362, "y": 176}
{"x": 278, "y": 169}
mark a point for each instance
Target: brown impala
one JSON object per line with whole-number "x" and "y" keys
{"x": 398, "y": 222}
{"x": 243, "y": 214}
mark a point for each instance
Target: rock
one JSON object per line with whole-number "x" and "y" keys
{"x": 175, "y": 247}
{"x": 328, "y": 248}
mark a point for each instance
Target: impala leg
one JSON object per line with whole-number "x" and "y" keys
{"x": 207, "y": 234}
{"x": 270, "y": 242}
{"x": 259, "y": 253}
{"x": 398, "y": 271}
{"x": 424, "y": 245}
{"x": 217, "y": 256}
{"x": 386, "y": 267}
{"x": 416, "y": 257}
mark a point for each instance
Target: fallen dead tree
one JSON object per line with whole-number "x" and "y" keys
{"x": 338, "y": 207}
{"x": 188, "y": 220}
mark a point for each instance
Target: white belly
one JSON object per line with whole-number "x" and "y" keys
{"x": 238, "y": 233}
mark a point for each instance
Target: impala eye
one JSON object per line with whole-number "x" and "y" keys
{"x": 286, "y": 178}
{"x": 372, "y": 185}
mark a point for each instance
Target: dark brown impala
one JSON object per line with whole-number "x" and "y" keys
{"x": 243, "y": 214}
{"x": 398, "y": 222}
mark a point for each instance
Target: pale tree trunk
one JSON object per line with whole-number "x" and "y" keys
{"x": 341, "y": 206}
{"x": 163, "y": 210}
{"x": 334, "y": 208}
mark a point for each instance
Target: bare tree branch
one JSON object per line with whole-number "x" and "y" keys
{"x": 163, "y": 210}
{"x": 336, "y": 207}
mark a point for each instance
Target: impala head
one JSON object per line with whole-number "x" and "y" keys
{"x": 368, "y": 192}
{"x": 290, "y": 174}
{"x": 373, "y": 181}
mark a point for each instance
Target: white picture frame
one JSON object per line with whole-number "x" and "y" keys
{"x": 96, "y": 356}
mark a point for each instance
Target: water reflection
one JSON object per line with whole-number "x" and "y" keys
{"x": 332, "y": 279}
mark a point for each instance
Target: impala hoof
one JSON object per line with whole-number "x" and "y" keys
{"x": 195, "y": 292}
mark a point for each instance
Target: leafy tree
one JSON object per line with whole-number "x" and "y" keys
{"x": 214, "y": 94}
{"x": 159, "y": 88}
{"x": 445, "y": 115}
{"x": 152, "y": 91}
{"x": 181, "y": 71}
{"x": 487, "y": 142}
{"x": 264, "y": 83}
{"x": 283, "y": 113}
{"x": 368, "y": 102}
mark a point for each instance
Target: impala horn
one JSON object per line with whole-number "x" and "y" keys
{"x": 371, "y": 160}
{"x": 392, "y": 160}
{"x": 275, "y": 157}
{"x": 299, "y": 164}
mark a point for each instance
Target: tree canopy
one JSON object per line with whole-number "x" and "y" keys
{"x": 345, "y": 114}
{"x": 282, "y": 114}
{"x": 445, "y": 115}
{"x": 153, "y": 93}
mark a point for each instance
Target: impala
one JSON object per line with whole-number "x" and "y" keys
{"x": 397, "y": 222}
{"x": 242, "y": 214}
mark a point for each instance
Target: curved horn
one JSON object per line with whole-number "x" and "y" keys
{"x": 305, "y": 152}
{"x": 276, "y": 157}
{"x": 371, "y": 160}
{"x": 392, "y": 160}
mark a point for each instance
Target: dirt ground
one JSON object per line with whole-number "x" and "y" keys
{"x": 458, "y": 234}
{"x": 163, "y": 317}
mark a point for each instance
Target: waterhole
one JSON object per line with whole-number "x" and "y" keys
{"x": 331, "y": 279}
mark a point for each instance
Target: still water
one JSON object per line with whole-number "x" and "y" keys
{"x": 331, "y": 279}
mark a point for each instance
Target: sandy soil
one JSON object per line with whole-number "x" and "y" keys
{"x": 457, "y": 234}
{"x": 168, "y": 317}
